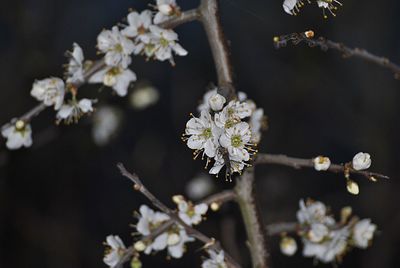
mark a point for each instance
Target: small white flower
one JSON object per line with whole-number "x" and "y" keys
{"x": 291, "y": 6}
{"x": 72, "y": 111}
{"x": 242, "y": 96}
{"x": 232, "y": 114}
{"x": 329, "y": 5}
{"x": 317, "y": 232}
{"x": 236, "y": 165}
{"x": 174, "y": 240}
{"x": 236, "y": 139}
{"x": 116, "y": 77}
{"x": 216, "y": 102}
{"x": 313, "y": 212}
{"x": 191, "y": 214}
{"x": 114, "y": 252}
{"x": 106, "y": 122}
{"x": 166, "y": 9}
{"x": 165, "y": 42}
{"x": 50, "y": 91}
{"x": 257, "y": 122}
{"x": 331, "y": 249}
{"x": 116, "y": 46}
{"x": 288, "y": 246}
{"x": 143, "y": 97}
{"x": 361, "y": 161}
{"x": 203, "y": 134}
{"x": 138, "y": 24}
{"x": 321, "y": 163}
{"x": 205, "y": 104}
{"x": 75, "y": 66}
{"x": 216, "y": 260}
{"x": 18, "y": 135}
{"x": 363, "y": 232}
{"x": 149, "y": 219}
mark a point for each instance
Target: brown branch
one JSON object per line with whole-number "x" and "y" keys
{"x": 209, "y": 16}
{"x": 252, "y": 219}
{"x": 298, "y": 163}
{"x": 209, "y": 242}
{"x": 282, "y": 227}
{"x": 347, "y": 52}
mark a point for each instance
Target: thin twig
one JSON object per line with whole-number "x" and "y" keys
{"x": 347, "y": 52}
{"x": 209, "y": 242}
{"x": 282, "y": 227}
{"x": 298, "y": 163}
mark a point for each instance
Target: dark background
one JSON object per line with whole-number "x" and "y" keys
{"x": 62, "y": 197}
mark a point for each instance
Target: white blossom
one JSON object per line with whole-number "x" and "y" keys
{"x": 291, "y": 6}
{"x": 18, "y": 135}
{"x": 50, "y": 91}
{"x": 329, "y": 5}
{"x": 205, "y": 104}
{"x": 257, "y": 121}
{"x": 114, "y": 251}
{"x": 232, "y": 114}
{"x": 332, "y": 248}
{"x": 288, "y": 246}
{"x": 72, "y": 111}
{"x": 203, "y": 134}
{"x": 117, "y": 78}
{"x": 236, "y": 139}
{"x": 174, "y": 240}
{"x": 313, "y": 212}
{"x": 149, "y": 219}
{"x": 191, "y": 214}
{"x": 317, "y": 232}
{"x": 75, "y": 72}
{"x": 361, "y": 161}
{"x": 116, "y": 46}
{"x": 166, "y": 9}
{"x": 143, "y": 97}
{"x": 138, "y": 24}
{"x": 216, "y": 260}
{"x": 164, "y": 43}
{"x": 363, "y": 232}
{"x": 236, "y": 165}
{"x": 216, "y": 102}
{"x": 321, "y": 163}
{"x": 106, "y": 122}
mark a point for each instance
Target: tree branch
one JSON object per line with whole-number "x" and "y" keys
{"x": 184, "y": 17}
{"x": 209, "y": 16}
{"x": 252, "y": 220}
{"x": 347, "y": 52}
{"x": 209, "y": 242}
{"x": 298, "y": 163}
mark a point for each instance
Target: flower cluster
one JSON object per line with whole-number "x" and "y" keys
{"x": 325, "y": 239}
{"x": 220, "y": 132}
{"x": 173, "y": 239}
{"x": 142, "y": 35}
{"x": 292, "y": 7}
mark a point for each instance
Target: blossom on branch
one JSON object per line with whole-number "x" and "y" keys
{"x": 75, "y": 68}
{"x": 361, "y": 161}
{"x": 18, "y": 135}
{"x": 73, "y": 111}
{"x": 216, "y": 260}
{"x": 50, "y": 91}
{"x": 115, "y": 250}
{"x": 166, "y": 10}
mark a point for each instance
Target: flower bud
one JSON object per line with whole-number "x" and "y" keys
{"x": 165, "y": 9}
{"x": 217, "y": 102}
{"x": 321, "y": 163}
{"x": 173, "y": 239}
{"x": 288, "y": 246}
{"x": 140, "y": 246}
{"x": 214, "y": 206}
{"x": 352, "y": 187}
{"x": 361, "y": 161}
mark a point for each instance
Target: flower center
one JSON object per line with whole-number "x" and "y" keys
{"x": 207, "y": 133}
{"x": 141, "y": 30}
{"x": 110, "y": 77}
{"x": 119, "y": 48}
{"x": 236, "y": 141}
{"x": 164, "y": 42}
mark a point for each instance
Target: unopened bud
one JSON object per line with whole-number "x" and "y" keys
{"x": 352, "y": 187}
{"x": 214, "y": 206}
{"x": 140, "y": 246}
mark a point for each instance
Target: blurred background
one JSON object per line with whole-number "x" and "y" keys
{"x": 60, "y": 198}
